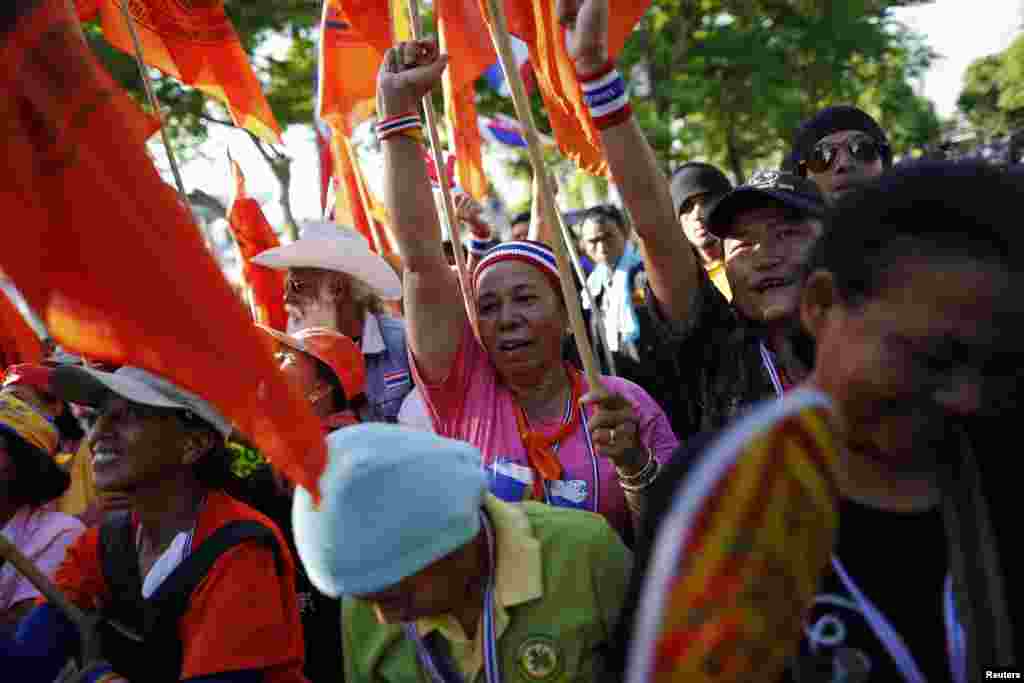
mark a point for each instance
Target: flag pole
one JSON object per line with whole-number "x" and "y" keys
{"x": 53, "y": 595}
{"x": 498, "y": 28}
{"x": 151, "y": 96}
{"x": 442, "y": 177}
{"x": 371, "y": 222}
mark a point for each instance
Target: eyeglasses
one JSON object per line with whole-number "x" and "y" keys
{"x": 864, "y": 149}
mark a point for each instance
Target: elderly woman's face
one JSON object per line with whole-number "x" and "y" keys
{"x": 522, "y": 319}
{"x": 311, "y": 298}
{"x": 134, "y": 446}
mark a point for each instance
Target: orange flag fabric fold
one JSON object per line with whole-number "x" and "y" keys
{"x": 113, "y": 263}
{"x": 253, "y": 234}
{"x": 536, "y": 23}
{"x": 352, "y": 44}
{"x": 465, "y": 39}
{"x": 196, "y": 43}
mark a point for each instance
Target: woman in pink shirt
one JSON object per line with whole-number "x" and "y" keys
{"x": 29, "y": 480}
{"x": 544, "y": 434}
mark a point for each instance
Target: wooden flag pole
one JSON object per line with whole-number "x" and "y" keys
{"x": 574, "y": 256}
{"x": 30, "y": 571}
{"x": 498, "y": 27}
{"x": 442, "y": 177}
{"x": 151, "y": 96}
{"x": 371, "y": 223}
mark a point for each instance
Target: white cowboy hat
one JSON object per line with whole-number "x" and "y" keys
{"x": 334, "y": 247}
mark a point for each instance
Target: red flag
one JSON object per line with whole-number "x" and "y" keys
{"x": 254, "y": 235}
{"x": 113, "y": 262}
{"x": 536, "y": 23}
{"x": 87, "y": 9}
{"x": 465, "y": 39}
{"x": 449, "y": 167}
{"x": 196, "y": 43}
{"x": 19, "y": 343}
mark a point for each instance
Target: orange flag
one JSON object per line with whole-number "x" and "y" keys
{"x": 113, "y": 262}
{"x": 196, "y": 43}
{"x": 19, "y": 343}
{"x": 349, "y": 61}
{"x": 465, "y": 39}
{"x": 254, "y": 235}
{"x": 355, "y": 34}
{"x": 536, "y": 23}
{"x": 353, "y": 206}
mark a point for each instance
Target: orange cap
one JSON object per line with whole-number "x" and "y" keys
{"x": 336, "y": 350}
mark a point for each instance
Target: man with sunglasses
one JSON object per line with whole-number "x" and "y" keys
{"x": 840, "y": 148}
{"x": 335, "y": 281}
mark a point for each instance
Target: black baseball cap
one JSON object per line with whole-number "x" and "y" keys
{"x": 697, "y": 178}
{"x": 765, "y": 188}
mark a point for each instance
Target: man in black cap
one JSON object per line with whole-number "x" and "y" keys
{"x": 695, "y": 187}
{"x": 720, "y": 358}
{"x": 840, "y": 148}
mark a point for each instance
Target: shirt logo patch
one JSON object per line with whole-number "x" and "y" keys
{"x": 396, "y": 379}
{"x": 540, "y": 659}
{"x": 573, "y": 491}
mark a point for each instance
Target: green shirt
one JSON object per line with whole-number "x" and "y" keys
{"x": 560, "y": 584}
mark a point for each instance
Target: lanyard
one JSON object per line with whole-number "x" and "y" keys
{"x": 896, "y": 646}
{"x": 595, "y": 473}
{"x": 492, "y": 669}
{"x": 773, "y": 374}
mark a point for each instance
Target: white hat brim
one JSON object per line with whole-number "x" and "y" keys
{"x": 348, "y": 256}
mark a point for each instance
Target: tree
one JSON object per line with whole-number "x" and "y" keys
{"x": 741, "y": 76}
{"x": 286, "y": 28}
{"x": 992, "y": 98}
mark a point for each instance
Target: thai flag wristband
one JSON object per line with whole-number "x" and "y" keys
{"x": 478, "y": 246}
{"x": 408, "y": 125}
{"x": 605, "y": 94}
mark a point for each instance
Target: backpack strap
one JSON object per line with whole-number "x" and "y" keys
{"x": 170, "y": 601}
{"x": 119, "y": 563}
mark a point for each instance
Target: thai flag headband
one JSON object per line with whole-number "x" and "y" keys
{"x": 534, "y": 253}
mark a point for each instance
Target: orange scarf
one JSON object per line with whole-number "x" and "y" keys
{"x": 540, "y": 449}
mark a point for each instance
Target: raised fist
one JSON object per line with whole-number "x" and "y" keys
{"x": 586, "y": 32}
{"x": 408, "y": 72}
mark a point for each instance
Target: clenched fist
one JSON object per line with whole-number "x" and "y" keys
{"x": 586, "y": 28}
{"x": 409, "y": 71}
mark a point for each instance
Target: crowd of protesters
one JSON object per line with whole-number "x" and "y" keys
{"x": 488, "y": 513}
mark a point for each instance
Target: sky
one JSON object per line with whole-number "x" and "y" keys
{"x": 959, "y": 30}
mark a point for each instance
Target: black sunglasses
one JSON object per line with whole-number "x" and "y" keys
{"x": 864, "y": 149}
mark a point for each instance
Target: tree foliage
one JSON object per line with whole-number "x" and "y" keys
{"x": 735, "y": 79}
{"x": 992, "y": 98}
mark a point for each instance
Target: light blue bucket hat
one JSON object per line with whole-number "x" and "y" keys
{"x": 394, "y": 500}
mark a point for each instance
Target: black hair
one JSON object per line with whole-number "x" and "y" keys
{"x": 935, "y": 209}
{"x": 68, "y": 426}
{"x": 37, "y": 478}
{"x": 340, "y": 398}
{"x": 604, "y": 213}
{"x": 523, "y": 217}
